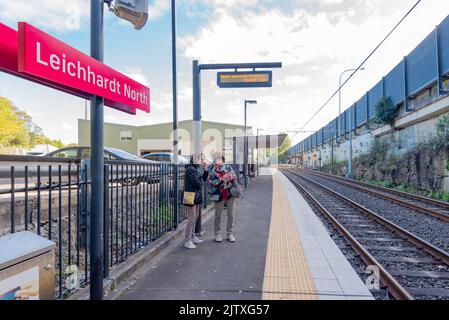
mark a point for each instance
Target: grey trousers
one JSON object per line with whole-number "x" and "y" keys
{"x": 193, "y": 213}
{"x": 218, "y": 211}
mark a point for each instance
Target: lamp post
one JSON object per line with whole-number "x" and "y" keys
{"x": 339, "y": 122}
{"x": 245, "y": 145}
{"x": 257, "y": 147}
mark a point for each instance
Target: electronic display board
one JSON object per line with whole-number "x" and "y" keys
{"x": 245, "y": 79}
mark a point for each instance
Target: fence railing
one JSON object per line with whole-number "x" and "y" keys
{"x": 52, "y": 200}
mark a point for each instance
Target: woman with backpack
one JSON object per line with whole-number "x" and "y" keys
{"x": 223, "y": 183}
{"x": 192, "y": 197}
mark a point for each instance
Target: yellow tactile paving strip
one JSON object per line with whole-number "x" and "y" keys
{"x": 287, "y": 275}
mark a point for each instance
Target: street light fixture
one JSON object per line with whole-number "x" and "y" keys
{"x": 245, "y": 144}
{"x": 339, "y": 123}
{"x": 339, "y": 96}
{"x": 134, "y": 11}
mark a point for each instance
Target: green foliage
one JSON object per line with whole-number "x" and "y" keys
{"x": 437, "y": 195}
{"x": 13, "y": 132}
{"x": 441, "y": 139}
{"x": 340, "y": 167}
{"x": 390, "y": 163}
{"x": 18, "y": 130}
{"x": 386, "y": 111}
{"x": 283, "y": 149}
{"x": 41, "y": 139}
{"x": 376, "y": 154}
{"x": 447, "y": 165}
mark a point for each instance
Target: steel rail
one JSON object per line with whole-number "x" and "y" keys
{"x": 393, "y": 286}
{"x": 417, "y": 241}
{"x": 369, "y": 188}
{"x": 437, "y": 203}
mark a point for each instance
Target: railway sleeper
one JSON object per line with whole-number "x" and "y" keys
{"x": 409, "y": 260}
{"x": 366, "y": 239}
{"x": 431, "y": 292}
{"x": 420, "y": 274}
{"x": 394, "y": 249}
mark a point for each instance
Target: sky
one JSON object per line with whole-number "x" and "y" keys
{"x": 314, "y": 39}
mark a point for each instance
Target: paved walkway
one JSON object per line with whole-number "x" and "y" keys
{"x": 217, "y": 271}
{"x": 283, "y": 251}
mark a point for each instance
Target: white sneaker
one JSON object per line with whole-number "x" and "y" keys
{"x": 189, "y": 245}
{"x": 195, "y": 240}
{"x": 218, "y": 238}
{"x": 231, "y": 238}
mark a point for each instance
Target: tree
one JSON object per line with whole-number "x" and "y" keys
{"x": 17, "y": 128}
{"x": 441, "y": 140}
{"x": 283, "y": 149}
{"x": 13, "y": 132}
{"x": 386, "y": 111}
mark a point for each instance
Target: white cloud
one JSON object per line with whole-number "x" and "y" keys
{"x": 294, "y": 81}
{"x": 316, "y": 41}
{"x": 67, "y": 126}
{"x": 158, "y": 9}
{"x": 57, "y": 15}
{"x": 137, "y": 74}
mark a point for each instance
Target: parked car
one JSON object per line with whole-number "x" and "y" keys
{"x": 79, "y": 153}
{"x": 166, "y": 157}
{"x": 110, "y": 154}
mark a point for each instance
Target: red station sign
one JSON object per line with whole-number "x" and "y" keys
{"x": 34, "y": 55}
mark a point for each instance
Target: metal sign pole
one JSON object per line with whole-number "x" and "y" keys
{"x": 196, "y": 70}
{"x": 97, "y": 161}
{"x": 196, "y": 108}
{"x": 175, "y": 116}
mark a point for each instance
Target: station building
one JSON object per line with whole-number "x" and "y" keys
{"x": 141, "y": 140}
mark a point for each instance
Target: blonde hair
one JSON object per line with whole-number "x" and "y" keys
{"x": 218, "y": 155}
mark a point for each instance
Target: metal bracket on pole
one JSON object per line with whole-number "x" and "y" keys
{"x": 84, "y": 223}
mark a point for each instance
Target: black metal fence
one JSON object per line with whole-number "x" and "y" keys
{"x": 51, "y": 197}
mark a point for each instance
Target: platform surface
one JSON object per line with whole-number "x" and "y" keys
{"x": 283, "y": 252}
{"x": 217, "y": 271}
{"x": 333, "y": 276}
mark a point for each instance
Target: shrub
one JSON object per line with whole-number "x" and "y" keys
{"x": 386, "y": 111}
{"x": 441, "y": 140}
{"x": 377, "y": 152}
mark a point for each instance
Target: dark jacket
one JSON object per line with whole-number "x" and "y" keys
{"x": 193, "y": 181}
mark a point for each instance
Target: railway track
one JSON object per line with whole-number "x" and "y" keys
{"x": 409, "y": 267}
{"x": 430, "y": 227}
{"x": 431, "y": 207}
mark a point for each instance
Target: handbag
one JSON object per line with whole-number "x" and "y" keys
{"x": 189, "y": 198}
{"x": 236, "y": 191}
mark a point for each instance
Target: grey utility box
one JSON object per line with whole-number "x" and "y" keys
{"x": 27, "y": 267}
